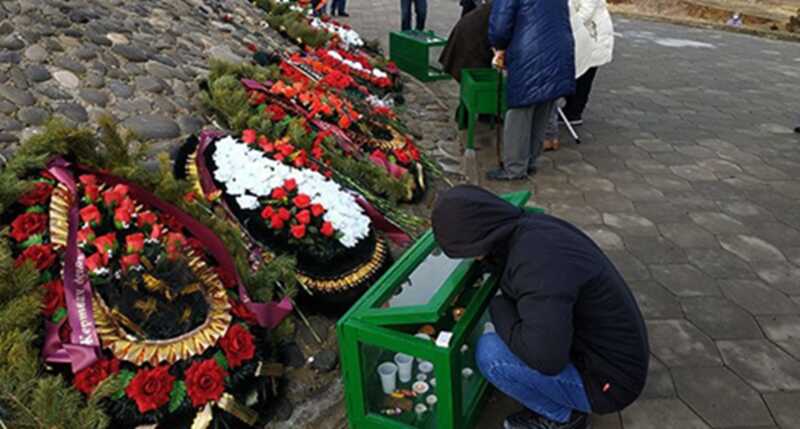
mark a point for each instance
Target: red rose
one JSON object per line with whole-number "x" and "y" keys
{"x": 344, "y": 122}
{"x": 53, "y": 297}
{"x": 265, "y": 144}
{"x": 328, "y": 174}
{"x": 175, "y": 244}
{"x": 317, "y": 210}
{"x": 86, "y": 235}
{"x": 115, "y": 195}
{"x": 88, "y": 180}
{"x": 156, "y": 231}
{"x": 205, "y": 382}
{"x": 290, "y": 184}
{"x": 317, "y": 152}
{"x": 298, "y": 231}
{"x": 130, "y": 261}
{"x": 276, "y": 112}
{"x": 87, "y": 379}
{"x": 42, "y": 256}
{"x": 286, "y": 149}
{"x": 150, "y": 388}
{"x": 327, "y": 229}
{"x": 28, "y": 224}
{"x": 92, "y": 193}
{"x": 300, "y": 161}
{"x": 378, "y": 154}
{"x": 240, "y": 310}
{"x": 38, "y": 195}
{"x": 267, "y": 212}
{"x": 249, "y": 136}
{"x": 237, "y": 345}
{"x": 401, "y": 156}
{"x": 91, "y": 215}
{"x": 134, "y": 243}
{"x": 95, "y": 262}
{"x": 123, "y": 217}
{"x": 284, "y": 214}
{"x": 146, "y": 218}
{"x": 279, "y": 157}
{"x": 278, "y": 194}
{"x": 106, "y": 244}
{"x": 304, "y": 217}
{"x": 276, "y": 222}
{"x": 301, "y": 201}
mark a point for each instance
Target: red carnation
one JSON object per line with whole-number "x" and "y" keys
{"x": 301, "y": 201}
{"x": 88, "y": 180}
{"x": 146, "y": 218}
{"x": 130, "y": 261}
{"x": 42, "y": 256}
{"x": 300, "y": 161}
{"x": 284, "y": 214}
{"x": 267, "y": 212}
{"x": 286, "y": 149}
{"x": 276, "y": 222}
{"x": 96, "y": 262}
{"x": 278, "y": 194}
{"x": 265, "y": 144}
{"x": 53, "y": 297}
{"x": 38, "y": 195}
{"x": 86, "y": 235}
{"x": 276, "y": 112}
{"x": 87, "y": 379}
{"x": 298, "y": 231}
{"x": 150, "y": 388}
{"x": 240, "y": 310}
{"x": 134, "y": 243}
{"x": 327, "y": 229}
{"x": 304, "y": 217}
{"x": 317, "y": 152}
{"x": 249, "y": 136}
{"x": 91, "y": 215}
{"x": 106, "y": 244}
{"x": 290, "y": 184}
{"x": 344, "y": 122}
{"x": 28, "y": 224}
{"x": 237, "y": 345}
{"x": 115, "y": 195}
{"x": 401, "y": 156}
{"x": 205, "y": 382}
{"x": 317, "y": 210}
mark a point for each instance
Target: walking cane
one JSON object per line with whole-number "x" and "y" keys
{"x": 564, "y": 119}
{"x": 499, "y": 118}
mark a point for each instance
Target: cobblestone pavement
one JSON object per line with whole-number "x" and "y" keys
{"x": 689, "y": 177}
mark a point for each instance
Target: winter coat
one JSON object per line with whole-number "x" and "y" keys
{"x": 537, "y": 38}
{"x": 562, "y": 301}
{"x": 593, "y": 32}
{"x": 468, "y": 44}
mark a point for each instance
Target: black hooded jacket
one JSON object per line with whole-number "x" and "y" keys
{"x": 562, "y": 299}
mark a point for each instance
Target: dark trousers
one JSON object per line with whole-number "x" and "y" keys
{"x": 337, "y": 6}
{"x": 420, "y": 8}
{"x": 577, "y": 103}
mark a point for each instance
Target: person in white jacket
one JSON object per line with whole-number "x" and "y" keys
{"x": 594, "y": 46}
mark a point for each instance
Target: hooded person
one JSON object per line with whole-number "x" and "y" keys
{"x": 567, "y": 337}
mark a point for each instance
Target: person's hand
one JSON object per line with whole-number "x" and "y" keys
{"x": 499, "y": 60}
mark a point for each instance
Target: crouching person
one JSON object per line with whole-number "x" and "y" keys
{"x": 568, "y": 338}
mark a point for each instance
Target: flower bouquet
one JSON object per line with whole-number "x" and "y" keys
{"x": 287, "y": 207}
{"x": 142, "y": 308}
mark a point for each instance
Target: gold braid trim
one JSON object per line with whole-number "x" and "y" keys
{"x": 60, "y": 202}
{"x": 352, "y": 279}
{"x": 204, "y": 417}
{"x": 129, "y": 348}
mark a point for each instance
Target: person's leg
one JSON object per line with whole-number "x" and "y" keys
{"x": 333, "y": 8}
{"x": 551, "y": 134}
{"x": 405, "y": 12}
{"x": 342, "y": 6}
{"x": 421, "y": 9}
{"x": 540, "y": 117}
{"x": 554, "y": 397}
{"x": 576, "y": 103}
{"x": 516, "y": 142}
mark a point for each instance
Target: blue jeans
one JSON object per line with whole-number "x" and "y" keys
{"x": 420, "y": 8}
{"x": 337, "y": 6}
{"x": 553, "y": 397}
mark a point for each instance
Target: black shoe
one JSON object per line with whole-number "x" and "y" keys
{"x": 503, "y": 176}
{"x": 532, "y": 170}
{"x": 797, "y": 130}
{"x": 529, "y": 420}
{"x": 344, "y": 15}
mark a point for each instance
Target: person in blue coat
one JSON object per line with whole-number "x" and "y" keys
{"x": 533, "y": 41}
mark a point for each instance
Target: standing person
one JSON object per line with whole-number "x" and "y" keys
{"x": 594, "y": 47}
{"x": 420, "y": 9}
{"x": 337, "y": 7}
{"x": 567, "y": 337}
{"x": 468, "y": 44}
{"x": 534, "y": 40}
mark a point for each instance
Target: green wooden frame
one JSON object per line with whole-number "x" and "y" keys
{"x": 365, "y": 325}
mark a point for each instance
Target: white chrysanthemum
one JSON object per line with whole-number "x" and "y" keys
{"x": 264, "y": 174}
